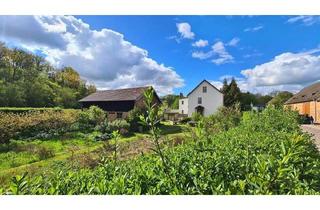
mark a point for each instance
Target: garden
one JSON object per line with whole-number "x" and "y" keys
{"x": 230, "y": 152}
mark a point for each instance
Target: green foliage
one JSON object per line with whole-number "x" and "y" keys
{"x": 196, "y": 116}
{"x": 90, "y": 118}
{"x": 45, "y": 153}
{"x": 247, "y": 99}
{"x": 265, "y": 153}
{"x": 28, "y": 124}
{"x": 280, "y": 98}
{"x": 185, "y": 120}
{"x": 28, "y": 109}
{"x": 232, "y": 93}
{"x": 172, "y": 101}
{"x": 223, "y": 120}
{"x": 120, "y": 125}
{"x": 134, "y": 120}
{"x": 27, "y": 80}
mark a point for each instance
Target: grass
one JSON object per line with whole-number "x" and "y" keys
{"x": 25, "y": 156}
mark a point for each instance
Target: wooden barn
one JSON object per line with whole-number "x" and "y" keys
{"x": 117, "y": 103}
{"x": 307, "y": 102}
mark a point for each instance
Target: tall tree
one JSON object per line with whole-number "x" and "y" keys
{"x": 232, "y": 93}
{"x": 280, "y": 98}
{"x": 29, "y": 80}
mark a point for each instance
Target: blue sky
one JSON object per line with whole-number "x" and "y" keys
{"x": 264, "y": 53}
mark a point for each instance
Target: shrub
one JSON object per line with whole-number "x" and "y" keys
{"x": 45, "y": 153}
{"x": 265, "y": 154}
{"x": 30, "y": 124}
{"x": 185, "y": 120}
{"x": 134, "y": 120}
{"x": 103, "y": 137}
{"x": 117, "y": 125}
{"x": 90, "y": 118}
{"x": 196, "y": 116}
{"x": 96, "y": 115}
{"x": 224, "y": 119}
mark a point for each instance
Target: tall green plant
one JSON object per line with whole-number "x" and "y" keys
{"x": 152, "y": 120}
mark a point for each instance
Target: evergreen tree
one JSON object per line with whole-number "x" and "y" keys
{"x": 232, "y": 93}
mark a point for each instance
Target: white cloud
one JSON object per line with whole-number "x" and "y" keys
{"x": 222, "y": 55}
{"x": 233, "y": 42}
{"x": 253, "y": 29}
{"x": 245, "y": 86}
{"x": 254, "y": 54}
{"x": 200, "y": 43}
{"x": 218, "y": 54}
{"x": 287, "y": 71}
{"x": 305, "y": 20}
{"x": 202, "y": 55}
{"x": 103, "y": 57}
{"x": 185, "y": 30}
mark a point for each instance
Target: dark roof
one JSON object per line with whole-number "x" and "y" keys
{"x": 201, "y": 83}
{"x": 128, "y": 94}
{"x": 309, "y": 93}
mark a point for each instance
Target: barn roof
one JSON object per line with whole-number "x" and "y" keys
{"x": 309, "y": 93}
{"x": 128, "y": 94}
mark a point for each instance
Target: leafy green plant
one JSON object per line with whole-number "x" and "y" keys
{"x": 196, "y": 116}
{"x": 134, "y": 120}
{"x": 29, "y": 124}
{"x": 45, "y": 153}
{"x": 264, "y": 153}
{"x": 90, "y": 118}
{"x": 117, "y": 125}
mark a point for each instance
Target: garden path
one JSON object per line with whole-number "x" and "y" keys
{"x": 315, "y": 131}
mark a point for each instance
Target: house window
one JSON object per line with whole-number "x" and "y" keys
{"x": 119, "y": 115}
{"x": 182, "y": 102}
{"x": 199, "y": 100}
{"x": 204, "y": 89}
{"x": 182, "y": 112}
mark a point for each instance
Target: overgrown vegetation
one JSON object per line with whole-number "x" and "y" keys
{"x": 257, "y": 153}
{"x": 27, "y": 80}
{"x": 44, "y": 124}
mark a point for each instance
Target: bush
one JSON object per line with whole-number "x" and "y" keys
{"x": 185, "y": 120}
{"x": 17, "y": 110}
{"x": 45, "y": 153}
{"x": 103, "y": 137}
{"x": 29, "y": 124}
{"x": 90, "y": 118}
{"x": 196, "y": 116}
{"x": 224, "y": 119}
{"x": 134, "y": 120}
{"x": 265, "y": 154}
{"x": 117, "y": 125}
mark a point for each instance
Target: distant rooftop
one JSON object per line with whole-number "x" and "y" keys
{"x": 127, "y": 94}
{"x": 309, "y": 93}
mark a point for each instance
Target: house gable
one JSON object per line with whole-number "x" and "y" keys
{"x": 205, "y": 97}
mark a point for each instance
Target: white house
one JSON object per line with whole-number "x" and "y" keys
{"x": 204, "y": 99}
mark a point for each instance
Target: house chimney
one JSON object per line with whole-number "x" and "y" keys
{"x": 181, "y": 95}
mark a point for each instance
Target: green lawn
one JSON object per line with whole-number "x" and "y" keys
{"x": 39, "y": 156}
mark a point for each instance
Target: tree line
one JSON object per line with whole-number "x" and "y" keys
{"x": 233, "y": 96}
{"x": 28, "y": 80}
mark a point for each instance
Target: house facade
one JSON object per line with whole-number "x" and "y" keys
{"x": 204, "y": 99}
{"x": 117, "y": 103}
{"x": 307, "y": 102}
